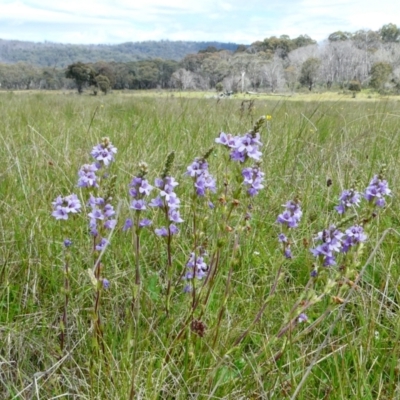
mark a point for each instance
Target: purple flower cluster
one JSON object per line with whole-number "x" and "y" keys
{"x": 169, "y": 202}
{"x": 104, "y": 152}
{"x": 203, "y": 180}
{"x": 87, "y": 176}
{"x": 65, "y": 205}
{"x": 196, "y": 268}
{"x": 242, "y": 147}
{"x": 292, "y": 214}
{"x": 253, "y": 178}
{"x": 347, "y": 199}
{"x": 376, "y": 190}
{"x": 101, "y": 213}
{"x": 353, "y": 236}
{"x": 139, "y": 189}
{"x": 334, "y": 241}
{"x": 331, "y": 243}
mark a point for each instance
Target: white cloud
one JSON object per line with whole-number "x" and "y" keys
{"x": 106, "y": 21}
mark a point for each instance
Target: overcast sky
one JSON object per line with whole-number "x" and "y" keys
{"x": 238, "y": 21}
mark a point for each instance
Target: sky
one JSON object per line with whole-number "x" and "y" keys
{"x": 237, "y": 21}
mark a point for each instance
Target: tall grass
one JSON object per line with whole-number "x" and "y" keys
{"x": 44, "y": 141}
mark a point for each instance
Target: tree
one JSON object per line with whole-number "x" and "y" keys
{"x": 309, "y": 72}
{"x": 380, "y": 74}
{"x": 82, "y": 74}
{"x": 339, "y": 36}
{"x": 103, "y": 83}
{"x": 390, "y": 33}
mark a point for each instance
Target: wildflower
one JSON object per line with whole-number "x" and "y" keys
{"x": 376, "y": 191}
{"x": 242, "y": 147}
{"x": 291, "y": 216}
{"x": 163, "y": 231}
{"x": 331, "y": 243}
{"x": 352, "y": 237}
{"x": 87, "y": 176}
{"x": 196, "y": 267}
{"x": 128, "y": 224}
{"x": 102, "y": 244}
{"x": 203, "y": 180}
{"x": 144, "y": 222}
{"x": 104, "y": 152}
{"x": 106, "y": 283}
{"x": 65, "y": 205}
{"x": 302, "y": 318}
{"x": 347, "y": 199}
{"x": 253, "y": 178}
{"x": 67, "y": 243}
{"x": 268, "y": 117}
{"x": 288, "y": 253}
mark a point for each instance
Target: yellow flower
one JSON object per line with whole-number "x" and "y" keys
{"x": 268, "y": 117}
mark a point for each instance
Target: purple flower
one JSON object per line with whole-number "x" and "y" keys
{"x": 106, "y": 283}
{"x": 203, "y": 180}
{"x": 87, "y": 176}
{"x": 242, "y": 147}
{"x": 102, "y": 244}
{"x": 144, "y": 222}
{"x": 291, "y": 216}
{"x": 376, "y": 191}
{"x": 253, "y": 178}
{"x": 174, "y": 216}
{"x": 196, "y": 267}
{"x": 157, "y": 202}
{"x": 104, "y": 152}
{"x": 302, "y": 318}
{"x": 288, "y": 253}
{"x": 67, "y": 243}
{"x": 163, "y": 231}
{"x": 282, "y": 238}
{"x": 173, "y": 229}
{"x": 353, "y": 236}
{"x": 331, "y": 243}
{"x": 226, "y": 140}
{"x": 63, "y": 206}
{"x": 138, "y": 205}
{"x": 128, "y": 224}
{"x": 347, "y": 199}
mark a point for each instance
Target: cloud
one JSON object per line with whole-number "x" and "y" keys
{"x": 106, "y": 21}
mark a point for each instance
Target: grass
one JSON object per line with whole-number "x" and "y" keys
{"x": 45, "y": 138}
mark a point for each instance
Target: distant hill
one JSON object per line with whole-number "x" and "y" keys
{"x": 59, "y": 55}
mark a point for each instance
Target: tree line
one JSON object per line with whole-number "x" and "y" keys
{"x": 345, "y": 60}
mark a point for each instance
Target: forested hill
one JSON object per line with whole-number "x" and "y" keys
{"x": 58, "y": 55}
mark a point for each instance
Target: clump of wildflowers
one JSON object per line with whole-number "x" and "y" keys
{"x": 203, "y": 180}
{"x": 292, "y": 214}
{"x": 87, "y": 176}
{"x": 353, "y": 236}
{"x": 65, "y": 205}
{"x": 104, "y": 152}
{"x": 331, "y": 243}
{"x": 100, "y": 217}
{"x": 376, "y": 191}
{"x": 196, "y": 268}
{"x": 253, "y": 178}
{"x": 347, "y": 199}
{"x": 290, "y": 218}
{"x": 242, "y": 147}
{"x": 169, "y": 202}
{"x": 139, "y": 190}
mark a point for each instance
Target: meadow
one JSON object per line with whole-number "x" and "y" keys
{"x": 267, "y": 320}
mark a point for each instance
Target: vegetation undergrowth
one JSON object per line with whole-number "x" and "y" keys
{"x": 168, "y": 267}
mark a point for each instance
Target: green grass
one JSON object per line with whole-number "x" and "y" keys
{"x": 45, "y": 138}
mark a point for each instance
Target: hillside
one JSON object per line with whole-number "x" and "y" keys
{"x": 59, "y": 55}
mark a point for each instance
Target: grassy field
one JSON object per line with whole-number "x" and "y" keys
{"x": 237, "y": 334}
